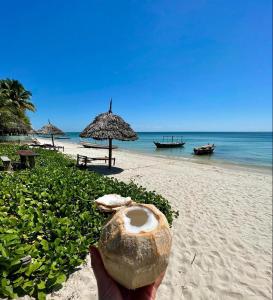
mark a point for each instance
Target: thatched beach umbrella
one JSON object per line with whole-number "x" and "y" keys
{"x": 51, "y": 130}
{"x": 32, "y": 131}
{"x": 108, "y": 126}
{"x": 14, "y": 127}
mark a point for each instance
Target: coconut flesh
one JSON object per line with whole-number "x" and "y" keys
{"x": 135, "y": 245}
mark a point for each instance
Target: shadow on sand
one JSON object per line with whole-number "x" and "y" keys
{"x": 104, "y": 170}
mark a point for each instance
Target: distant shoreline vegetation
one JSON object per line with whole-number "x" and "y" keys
{"x": 15, "y": 101}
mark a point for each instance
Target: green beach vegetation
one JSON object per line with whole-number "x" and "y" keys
{"x": 48, "y": 220}
{"x": 15, "y": 101}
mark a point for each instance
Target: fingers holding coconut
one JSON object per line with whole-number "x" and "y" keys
{"x": 135, "y": 245}
{"x": 107, "y": 287}
{"x": 148, "y": 292}
{"x": 97, "y": 264}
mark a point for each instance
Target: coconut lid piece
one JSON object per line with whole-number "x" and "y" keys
{"x": 112, "y": 202}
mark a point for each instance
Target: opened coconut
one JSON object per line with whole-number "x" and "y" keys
{"x": 135, "y": 245}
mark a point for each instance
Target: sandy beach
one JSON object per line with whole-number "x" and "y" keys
{"x": 222, "y": 241}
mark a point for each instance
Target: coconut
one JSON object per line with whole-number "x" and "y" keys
{"x": 135, "y": 245}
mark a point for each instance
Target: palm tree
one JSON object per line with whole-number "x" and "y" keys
{"x": 14, "y": 101}
{"x": 7, "y": 115}
{"x": 6, "y": 112}
{"x": 15, "y": 92}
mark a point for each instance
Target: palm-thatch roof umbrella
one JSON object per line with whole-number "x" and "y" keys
{"x": 38, "y": 131}
{"x": 51, "y": 130}
{"x": 108, "y": 126}
{"x": 14, "y": 127}
{"x": 32, "y": 131}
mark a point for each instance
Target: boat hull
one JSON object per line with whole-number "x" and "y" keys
{"x": 168, "y": 145}
{"x": 203, "y": 151}
{"x": 95, "y": 146}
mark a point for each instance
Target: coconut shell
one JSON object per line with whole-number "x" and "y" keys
{"x": 105, "y": 208}
{"x": 135, "y": 259}
{"x": 113, "y": 200}
{"x": 108, "y": 209}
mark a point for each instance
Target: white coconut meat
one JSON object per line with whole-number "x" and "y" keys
{"x": 113, "y": 200}
{"x": 135, "y": 245}
{"x": 139, "y": 219}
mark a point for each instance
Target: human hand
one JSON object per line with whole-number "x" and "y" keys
{"x": 109, "y": 289}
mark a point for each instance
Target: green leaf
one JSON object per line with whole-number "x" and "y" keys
{"x": 33, "y": 267}
{"x": 41, "y": 285}
{"x": 28, "y": 287}
{"x": 44, "y": 244}
{"x": 4, "y": 251}
{"x": 8, "y": 291}
{"x": 60, "y": 279}
{"x": 27, "y": 284}
{"x": 18, "y": 281}
{"x": 41, "y": 295}
{"x": 5, "y": 282}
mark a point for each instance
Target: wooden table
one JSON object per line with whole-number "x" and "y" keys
{"x": 27, "y": 154}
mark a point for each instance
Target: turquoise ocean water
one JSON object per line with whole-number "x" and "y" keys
{"x": 245, "y": 148}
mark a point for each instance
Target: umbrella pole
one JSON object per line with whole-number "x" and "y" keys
{"x": 52, "y": 138}
{"x": 110, "y": 153}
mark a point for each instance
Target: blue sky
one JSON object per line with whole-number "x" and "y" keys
{"x": 168, "y": 65}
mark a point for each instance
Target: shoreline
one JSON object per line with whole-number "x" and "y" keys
{"x": 215, "y": 162}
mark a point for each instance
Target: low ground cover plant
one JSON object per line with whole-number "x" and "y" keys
{"x": 48, "y": 220}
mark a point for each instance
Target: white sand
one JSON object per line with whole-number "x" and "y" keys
{"x": 224, "y": 222}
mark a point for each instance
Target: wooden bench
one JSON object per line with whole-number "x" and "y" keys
{"x": 83, "y": 160}
{"x": 6, "y": 163}
{"x": 47, "y": 146}
{"x": 59, "y": 147}
{"x": 36, "y": 145}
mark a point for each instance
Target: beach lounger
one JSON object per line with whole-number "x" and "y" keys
{"x": 35, "y": 142}
{"x": 36, "y": 145}
{"x": 47, "y": 146}
{"x": 83, "y": 160}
